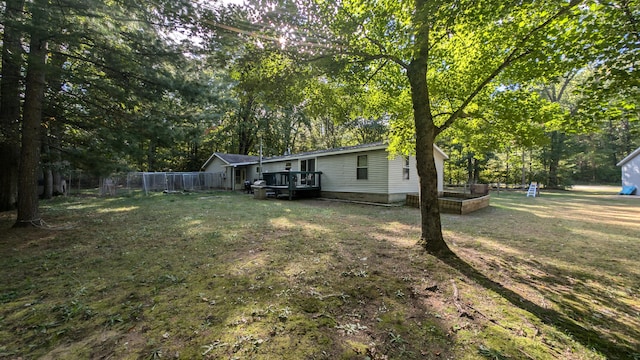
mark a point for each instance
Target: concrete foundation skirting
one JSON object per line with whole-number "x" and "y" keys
{"x": 413, "y": 200}
{"x": 365, "y": 197}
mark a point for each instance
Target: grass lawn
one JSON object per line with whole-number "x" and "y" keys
{"x": 223, "y": 276}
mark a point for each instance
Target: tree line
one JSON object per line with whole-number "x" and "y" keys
{"x": 514, "y": 92}
{"x": 121, "y": 86}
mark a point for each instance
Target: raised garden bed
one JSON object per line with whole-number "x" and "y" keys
{"x": 454, "y": 203}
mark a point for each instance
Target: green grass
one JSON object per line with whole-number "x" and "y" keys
{"x": 221, "y": 275}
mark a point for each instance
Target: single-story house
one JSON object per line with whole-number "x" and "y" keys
{"x": 362, "y": 172}
{"x": 232, "y": 169}
{"x": 631, "y": 170}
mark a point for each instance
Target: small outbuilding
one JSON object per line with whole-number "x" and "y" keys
{"x": 631, "y": 171}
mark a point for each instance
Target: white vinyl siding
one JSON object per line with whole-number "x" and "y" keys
{"x": 439, "y": 158}
{"x": 339, "y": 172}
{"x": 631, "y": 173}
{"x": 385, "y": 177}
{"x": 252, "y": 172}
{"x": 215, "y": 166}
{"x": 362, "y": 167}
{"x": 279, "y": 166}
{"x": 397, "y": 183}
{"x": 406, "y": 168}
{"x": 219, "y": 167}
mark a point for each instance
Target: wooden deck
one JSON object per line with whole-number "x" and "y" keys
{"x": 293, "y": 183}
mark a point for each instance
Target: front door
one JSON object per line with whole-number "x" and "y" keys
{"x": 308, "y": 165}
{"x": 240, "y": 176}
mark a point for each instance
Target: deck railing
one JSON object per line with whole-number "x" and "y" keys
{"x": 293, "y": 181}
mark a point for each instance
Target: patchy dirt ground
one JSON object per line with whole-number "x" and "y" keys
{"x": 224, "y": 276}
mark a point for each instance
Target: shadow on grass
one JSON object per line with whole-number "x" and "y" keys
{"x": 587, "y": 337}
{"x": 211, "y": 277}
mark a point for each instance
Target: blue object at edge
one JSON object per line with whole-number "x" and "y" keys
{"x": 628, "y": 190}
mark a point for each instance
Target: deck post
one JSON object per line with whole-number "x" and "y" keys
{"x": 292, "y": 185}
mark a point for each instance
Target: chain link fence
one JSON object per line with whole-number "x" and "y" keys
{"x": 168, "y": 182}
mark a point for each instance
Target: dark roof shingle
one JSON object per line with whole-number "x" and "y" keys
{"x": 237, "y": 158}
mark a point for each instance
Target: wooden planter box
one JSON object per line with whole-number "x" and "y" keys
{"x": 454, "y": 203}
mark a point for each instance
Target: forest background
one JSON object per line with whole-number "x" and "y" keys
{"x": 123, "y": 86}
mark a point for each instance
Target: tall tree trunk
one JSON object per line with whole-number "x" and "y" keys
{"x": 45, "y": 164}
{"x": 54, "y": 164}
{"x": 557, "y": 138}
{"x": 10, "y": 105}
{"x": 627, "y": 144}
{"x": 555, "y": 154}
{"x": 247, "y": 128}
{"x": 613, "y": 140}
{"x": 506, "y": 172}
{"x": 151, "y": 156}
{"x": 524, "y": 170}
{"x": 47, "y": 190}
{"x": 476, "y": 171}
{"x": 56, "y": 120}
{"x": 469, "y": 168}
{"x": 28, "y": 212}
{"x": 431, "y": 238}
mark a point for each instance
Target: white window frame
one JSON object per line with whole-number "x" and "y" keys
{"x": 362, "y": 170}
{"x": 406, "y": 168}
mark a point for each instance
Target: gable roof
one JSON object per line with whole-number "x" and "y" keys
{"x": 341, "y": 150}
{"x": 235, "y": 159}
{"x": 231, "y": 159}
{"x": 629, "y": 157}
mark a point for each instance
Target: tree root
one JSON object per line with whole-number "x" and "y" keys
{"x": 456, "y": 302}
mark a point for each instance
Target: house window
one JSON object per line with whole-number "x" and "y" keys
{"x": 287, "y": 165}
{"x": 308, "y": 165}
{"x": 362, "y": 168}
{"x": 406, "y": 170}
